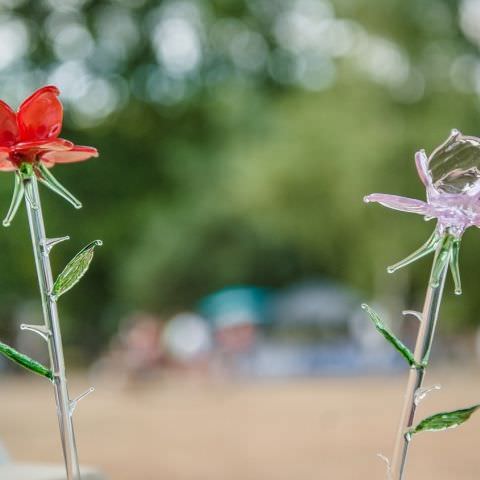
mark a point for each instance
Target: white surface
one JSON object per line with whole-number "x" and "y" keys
{"x": 16, "y": 471}
{"x": 4, "y": 458}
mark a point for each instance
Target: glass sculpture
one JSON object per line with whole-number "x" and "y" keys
{"x": 30, "y": 147}
{"x": 451, "y": 176}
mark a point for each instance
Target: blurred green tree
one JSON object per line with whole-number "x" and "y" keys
{"x": 237, "y": 140}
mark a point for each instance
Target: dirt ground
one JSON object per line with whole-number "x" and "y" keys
{"x": 289, "y": 430}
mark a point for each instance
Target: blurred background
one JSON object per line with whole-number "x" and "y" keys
{"x": 237, "y": 139}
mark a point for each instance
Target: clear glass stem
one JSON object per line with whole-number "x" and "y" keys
{"x": 423, "y": 345}
{"x": 50, "y": 315}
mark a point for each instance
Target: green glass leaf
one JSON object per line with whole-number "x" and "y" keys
{"x": 444, "y": 420}
{"x": 25, "y": 361}
{"x": 74, "y": 270}
{"x": 390, "y": 337}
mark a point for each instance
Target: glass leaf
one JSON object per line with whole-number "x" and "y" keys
{"x": 25, "y": 361}
{"x": 74, "y": 270}
{"x": 390, "y": 337}
{"x": 444, "y": 420}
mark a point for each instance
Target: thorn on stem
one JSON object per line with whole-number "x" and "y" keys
{"x": 413, "y": 313}
{"x": 41, "y": 330}
{"x": 388, "y": 465}
{"x": 73, "y": 403}
{"x": 421, "y": 393}
{"x": 48, "y": 243}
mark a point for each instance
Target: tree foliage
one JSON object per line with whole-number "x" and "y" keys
{"x": 237, "y": 140}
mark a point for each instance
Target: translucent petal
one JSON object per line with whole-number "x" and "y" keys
{"x": 76, "y": 154}
{"x": 54, "y": 144}
{"x": 8, "y": 125}
{"x": 5, "y": 164}
{"x": 455, "y": 165}
{"x": 40, "y": 115}
{"x": 403, "y": 204}
{"x": 421, "y": 162}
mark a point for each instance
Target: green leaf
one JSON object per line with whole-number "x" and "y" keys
{"x": 25, "y": 361}
{"x": 444, "y": 420}
{"x": 74, "y": 270}
{"x": 399, "y": 346}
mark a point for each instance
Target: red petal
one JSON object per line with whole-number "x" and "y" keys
{"x": 57, "y": 144}
{"x": 5, "y": 164}
{"x": 40, "y": 115}
{"x": 76, "y": 154}
{"x": 8, "y": 125}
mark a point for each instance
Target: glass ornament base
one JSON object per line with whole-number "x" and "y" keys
{"x": 27, "y": 471}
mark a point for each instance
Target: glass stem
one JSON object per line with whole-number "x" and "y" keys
{"x": 423, "y": 345}
{"x": 50, "y": 315}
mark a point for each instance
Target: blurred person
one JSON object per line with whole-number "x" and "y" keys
{"x": 136, "y": 353}
{"x": 235, "y": 313}
{"x": 187, "y": 338}
{"x": 234, "y": 344}
{"x": 143, "y": 351}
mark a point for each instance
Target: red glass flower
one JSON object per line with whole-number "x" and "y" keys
{"x": 31, "y": 134}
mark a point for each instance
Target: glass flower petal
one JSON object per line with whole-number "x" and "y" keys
{"x": 40, "y": 115}
{"x": 404, "y": 204}
{"x": 56, "y": 144}
{"x": 8, "y": 125}
{"x": 421, "y": 162}
{"x": 5, "y": 164}
{"x": 76, "y": 154}
{"x": 455, "y": 165}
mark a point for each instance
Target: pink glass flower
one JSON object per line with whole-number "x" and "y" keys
{"x": 451, "y": 176}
